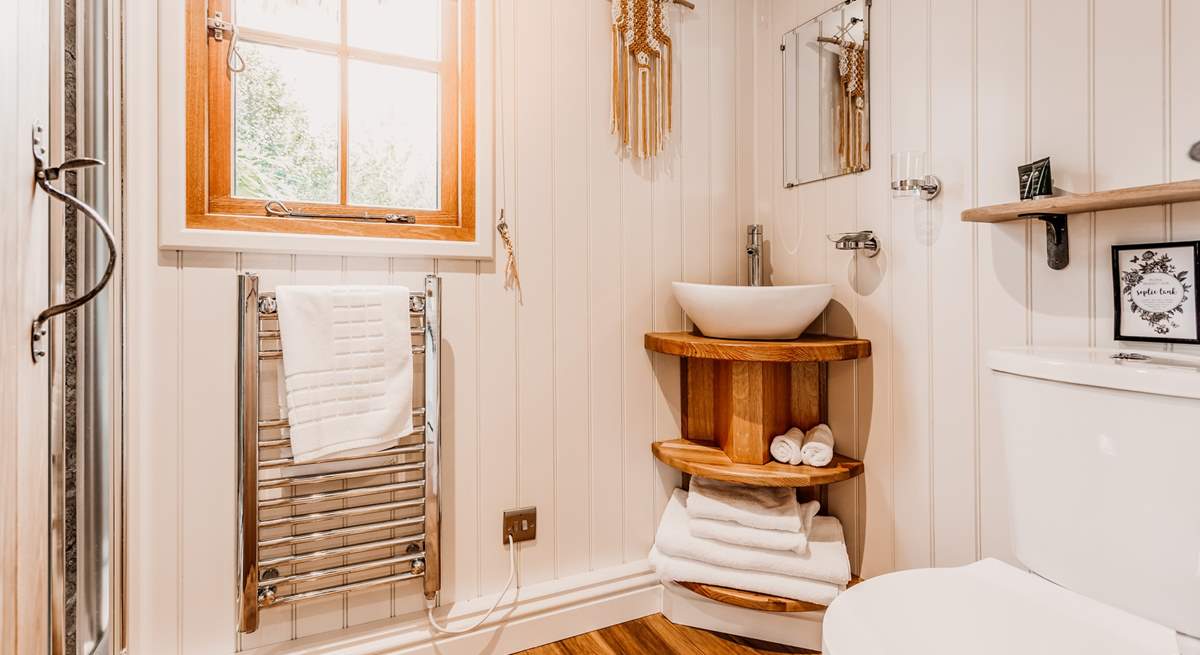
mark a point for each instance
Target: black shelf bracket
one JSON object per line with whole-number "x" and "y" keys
{"x": 1058, "y": 253}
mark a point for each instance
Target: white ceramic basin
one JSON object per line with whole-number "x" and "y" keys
{"x": 733, "y": 312}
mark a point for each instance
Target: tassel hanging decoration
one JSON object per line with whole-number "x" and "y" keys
{"x": 642, "y": 83}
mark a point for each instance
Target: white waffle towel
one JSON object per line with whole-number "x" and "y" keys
{"x": 740, "y": 535}
{"x": 347, "y": 363}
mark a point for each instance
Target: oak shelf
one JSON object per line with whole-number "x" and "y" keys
{"x": 755, "y": 601}
{"x": 709, "y": 461}
{"x": 1081, "y": 203}
{"x": 804, "y": 349}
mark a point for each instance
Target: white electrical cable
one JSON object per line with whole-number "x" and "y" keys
{"x": 512, "y": 574}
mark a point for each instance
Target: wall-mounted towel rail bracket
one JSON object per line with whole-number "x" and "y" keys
{"x": 363, "y": 519}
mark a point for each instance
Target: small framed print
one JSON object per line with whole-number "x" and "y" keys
{"x": 1154, "y": 287}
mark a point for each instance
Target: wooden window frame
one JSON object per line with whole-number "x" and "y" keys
{"x": 209, "y": 123}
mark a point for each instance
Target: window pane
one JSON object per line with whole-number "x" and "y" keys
{"x": 394, "y": 136}
{"x": 312, "y": 19}
{"x": 405, "y": 27}
{"x": 286, "y": 125}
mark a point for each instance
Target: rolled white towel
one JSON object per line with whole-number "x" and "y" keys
{"x": 740, "y": 535}
{"x": 818, "y": 446}
{"x": 670, "y": 569}
{"x": 785, "y": 448}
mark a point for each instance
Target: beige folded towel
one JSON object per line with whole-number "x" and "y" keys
{"x": 770, "y": 508}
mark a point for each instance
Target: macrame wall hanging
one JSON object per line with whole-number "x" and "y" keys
{"x": 641, "y": 75}
{"x": 852, "y": 68}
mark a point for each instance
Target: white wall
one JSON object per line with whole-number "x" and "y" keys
{"x": 1107, "y": 89}
{"x": 549, "y": 401}
{"x": 553, "y": 401}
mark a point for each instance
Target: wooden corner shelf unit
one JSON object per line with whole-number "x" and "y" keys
{"x": 737, "y": 395}
{"x": 741, "y": 394}
{"x": 708, "y": 461}
{"x": 755, "y": 601}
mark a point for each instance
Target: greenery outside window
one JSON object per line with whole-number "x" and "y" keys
{"x": 360, "y": 108}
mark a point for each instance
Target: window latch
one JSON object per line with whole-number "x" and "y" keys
{"x": 218, "y": 26}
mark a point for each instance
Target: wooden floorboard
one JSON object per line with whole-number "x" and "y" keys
{"x": 655, "y": 635}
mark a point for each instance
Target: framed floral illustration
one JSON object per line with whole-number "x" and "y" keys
{"x": 1154, "y": 286}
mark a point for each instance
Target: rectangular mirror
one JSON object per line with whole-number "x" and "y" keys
{"x": 826, "y": 95}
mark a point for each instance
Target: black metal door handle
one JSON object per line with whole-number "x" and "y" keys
{"x": 44, "y": 174}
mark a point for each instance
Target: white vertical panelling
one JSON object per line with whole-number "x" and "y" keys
{"x": 208, "y": 334}
{"x": 637, "y": 383}
{"x": 1130, "y": 134}
{"x": 953, "y": 329}
{"x": 497, "y": 327}
{"x": 1060, "y": 84}
{"x": 534, "y": 175}
{"x": 695, "y": 154}
{"x": 1001, "y": 250}
{"x": 572, "y": 221}
{"x": 551, "y": 398}
{"x": 722, "y": 70}
{"x": 910, "y": 265}
{"x": 605, "y": 344}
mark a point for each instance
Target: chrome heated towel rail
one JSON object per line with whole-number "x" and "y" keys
{"x": 347, "y": 522}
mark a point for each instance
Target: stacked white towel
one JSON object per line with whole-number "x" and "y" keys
{"x": 347, "y": 361}
{"x": 795, "y": 447}
{"x": 738, "y": 560}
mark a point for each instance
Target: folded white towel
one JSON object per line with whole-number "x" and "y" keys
{"x": 740, "y": 535}
{"x": 785, "y": 448}
{"x": 685, "y": 570}
{"x": 771, "y": 508}
{"x": 818, "y": 446}
{"x": 826, "y": 560}
{"x": 347, "y": 361}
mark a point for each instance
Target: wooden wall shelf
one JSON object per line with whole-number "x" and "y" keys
{"x": 755, "y": 601}
{"x": 804, "y": 349}
{"x": 1054, "y": 211}
{"x": 1081, "y": 203}
{"x": 709, "y": 461}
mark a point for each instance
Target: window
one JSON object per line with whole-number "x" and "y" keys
{"x": 341, "y": 108}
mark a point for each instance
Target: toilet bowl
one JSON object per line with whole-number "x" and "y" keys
{"x": 985, "y": 608}
{"x": 1100, "y": 459}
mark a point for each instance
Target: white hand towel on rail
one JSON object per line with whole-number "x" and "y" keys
{"x": 826, "y": 560}
{"x": 686, "y": 570}
{"x": 740, "y": 535}
{"x": 785, "y": 448}
{"x": 347, "y": 366}
{"x": 818, "y": 446}
{"x": 771, "y": 508}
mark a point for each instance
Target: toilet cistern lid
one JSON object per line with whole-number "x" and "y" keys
{"x": 985, "y": 608}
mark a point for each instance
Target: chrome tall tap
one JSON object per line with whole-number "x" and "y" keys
{"x": 754, "y": 245}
